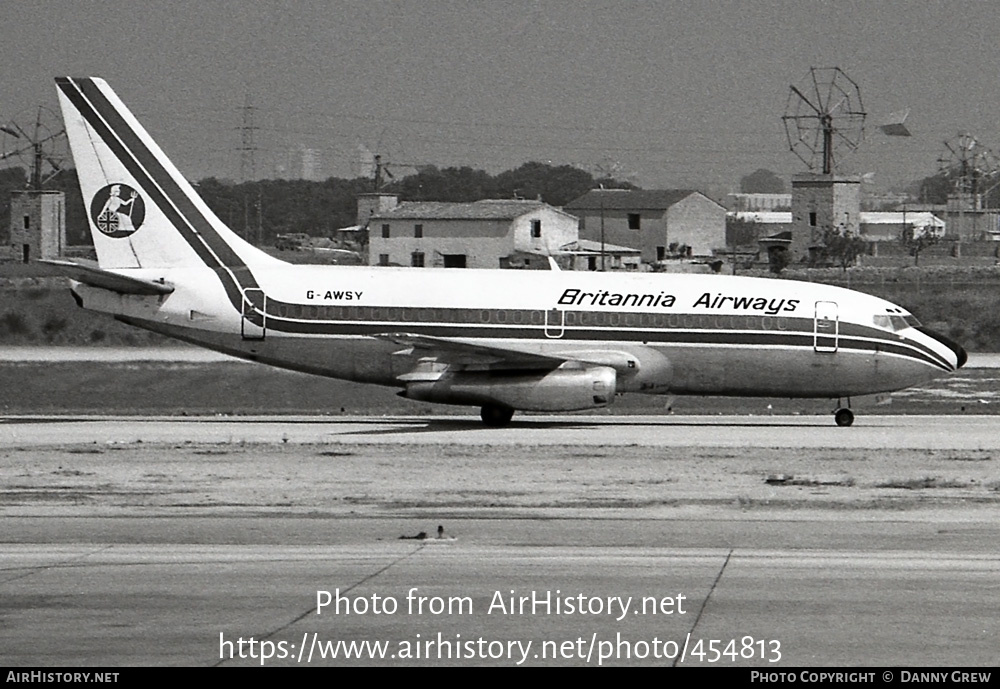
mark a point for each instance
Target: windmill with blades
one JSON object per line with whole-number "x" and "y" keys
{"x": 39, "y": 145}
{"x": 824, "y": 121}
{"x": 970, "y": 167}
{"x": 382, "y": 169}
{"x": 38, "y": 215}
{"x": 972, "y": 170}
{"x": 371, "y": 166}
{"x": 824, "y": 118}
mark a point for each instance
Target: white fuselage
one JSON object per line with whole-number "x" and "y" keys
{"x": 683, "y": 334}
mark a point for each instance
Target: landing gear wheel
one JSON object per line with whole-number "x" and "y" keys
{"x": 843, "y": 417}
{"x": 495, "y": 416}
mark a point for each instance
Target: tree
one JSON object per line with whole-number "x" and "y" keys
{"x": 777, "y": 259}
{"x": 842, "y": 247}
{"x": 916, "y": 242}
{"x": 935, "y": 189}
{"x": 762, "y": 181}
{"x": 555, "y": 185}
{"x": 741, "y": 232}
{"x": 451, "y": 184}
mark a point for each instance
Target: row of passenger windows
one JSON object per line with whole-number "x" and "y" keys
{"x": 677, "y": 320}
{"x": 556, "y": 319}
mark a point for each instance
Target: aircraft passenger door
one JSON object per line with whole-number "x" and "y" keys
{"x": 826, "y": 329}
{"x": 555, "y": 323}
{"x": 254, "y": 313}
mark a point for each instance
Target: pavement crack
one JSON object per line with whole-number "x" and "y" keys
{"x": 28, "y": 571}
{"x": 350, "y": 588}
{"x": 704, "y": 604}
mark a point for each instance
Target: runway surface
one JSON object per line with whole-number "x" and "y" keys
{"x": 768, "y": 542}
{"x": 919, "y": 432}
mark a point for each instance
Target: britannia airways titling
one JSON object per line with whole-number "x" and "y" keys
{"x": 770, "y": 306}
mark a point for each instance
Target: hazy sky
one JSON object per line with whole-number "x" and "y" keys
{"x": 677, "y": 93}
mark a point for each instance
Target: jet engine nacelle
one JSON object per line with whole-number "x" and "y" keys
{"x": 563, "y": 389}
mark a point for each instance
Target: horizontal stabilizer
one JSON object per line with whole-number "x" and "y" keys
{"x": 105, "y": 279}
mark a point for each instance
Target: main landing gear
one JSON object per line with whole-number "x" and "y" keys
{"x": 843, "y": 415}
{"x": 496, "y": 416}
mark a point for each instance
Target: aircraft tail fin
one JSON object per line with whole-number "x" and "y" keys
{"x": 142, "y": 212}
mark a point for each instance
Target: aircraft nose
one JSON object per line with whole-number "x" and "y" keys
{"x": 961, "y": 356}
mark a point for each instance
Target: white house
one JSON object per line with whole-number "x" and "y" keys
{"x": 481, "y": 234}
{"x": 883, "y": 226}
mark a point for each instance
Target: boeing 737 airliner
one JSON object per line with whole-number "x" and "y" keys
{"x": 498, "y": 339}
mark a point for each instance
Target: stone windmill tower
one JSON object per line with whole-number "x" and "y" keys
{"x": 824, "y": 121}
{"x": 37, "y": 214}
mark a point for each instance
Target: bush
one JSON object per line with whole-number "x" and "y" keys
{"x": 53, "y": 325}
{"x": 14, "y": 323}
{"x": 36, "y": 293}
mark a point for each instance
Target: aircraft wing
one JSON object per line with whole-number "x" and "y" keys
{"x": 105, "y": 279}
{"x": 447, "y": 351}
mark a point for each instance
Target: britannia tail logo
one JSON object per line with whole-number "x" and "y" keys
{"x": 117, "y": 210}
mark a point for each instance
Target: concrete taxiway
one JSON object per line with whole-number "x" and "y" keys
{"x": 567, "y": 540}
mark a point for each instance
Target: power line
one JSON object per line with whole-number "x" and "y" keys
{"x": 248, "y": 149}
{"x": 248, "y": 168}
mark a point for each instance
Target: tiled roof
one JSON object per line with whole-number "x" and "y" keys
{"x": 631, "y": 199}
{"x": 501, "y": 209}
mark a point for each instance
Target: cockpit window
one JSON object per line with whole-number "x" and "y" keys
{"x": 895, "y": 322}
{"x": 882, "y": 321}
{"x": 898, "y": 323}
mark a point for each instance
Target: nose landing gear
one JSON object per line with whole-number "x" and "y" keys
{"x": 843, "y": 414}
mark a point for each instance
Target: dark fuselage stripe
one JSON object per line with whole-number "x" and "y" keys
{"x": 652, "y": 338}
{"x": 315, "y": 319}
